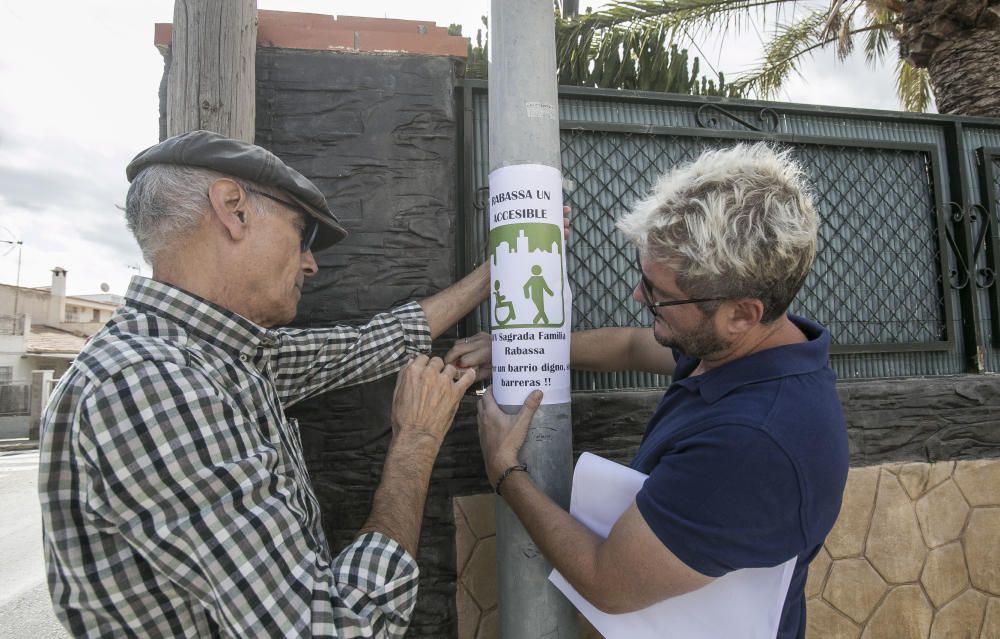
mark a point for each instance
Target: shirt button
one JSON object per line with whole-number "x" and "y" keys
{"x": 243, "y": 357}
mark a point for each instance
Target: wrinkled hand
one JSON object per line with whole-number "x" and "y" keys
{"x": 475, "y": 353}
{"x": 501, "y": 435}
{"x": 427, "y": 396}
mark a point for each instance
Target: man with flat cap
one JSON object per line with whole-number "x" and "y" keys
{"x": 175, "y": 498}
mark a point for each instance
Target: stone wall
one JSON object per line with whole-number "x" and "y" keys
{"x": 915, "y": 554}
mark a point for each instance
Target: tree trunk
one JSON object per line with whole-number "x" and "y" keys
{"x": 212, "y": 57}
{"x": 958, "y": 42}
{"x": 964, "y": 74}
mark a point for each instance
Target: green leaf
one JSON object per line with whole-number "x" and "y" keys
{"x": 913, "y": 86}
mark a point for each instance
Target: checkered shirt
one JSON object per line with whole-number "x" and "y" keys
{"x": 175, "y": 497}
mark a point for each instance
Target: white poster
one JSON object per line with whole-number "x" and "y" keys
{"x": 530, "y": 300}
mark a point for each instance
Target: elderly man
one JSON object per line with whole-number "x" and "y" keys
{"x": 747, "y": 452}
{"x": 175, "y": 497}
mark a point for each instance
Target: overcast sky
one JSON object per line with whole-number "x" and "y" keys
{"x": 79, "y": 87}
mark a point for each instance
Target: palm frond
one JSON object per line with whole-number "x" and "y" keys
{"x": 845, "y": 43}
{"x": 878, "y": 41}
{"x": 789, "y": 46}
{"x": 913, "y": 86}
{"x": 695, "y": 15}
{"x": 783, "y": 53}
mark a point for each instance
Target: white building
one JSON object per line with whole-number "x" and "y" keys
{"x": 42, "y": 329}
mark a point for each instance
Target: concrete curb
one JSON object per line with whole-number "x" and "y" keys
{"x": 12, "y": 445}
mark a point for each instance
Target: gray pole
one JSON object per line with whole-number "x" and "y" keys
{"x": 524, "y": 129}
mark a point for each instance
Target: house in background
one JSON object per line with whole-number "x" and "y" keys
{"x": 41, "y": 329}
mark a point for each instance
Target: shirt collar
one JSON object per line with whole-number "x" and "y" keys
{"x": 773, "y": 363}
{"x": 198, "y": 316}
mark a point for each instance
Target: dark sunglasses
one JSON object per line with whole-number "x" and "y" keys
{"x": 646, "y": 287}
{"x": 311, "y": 223}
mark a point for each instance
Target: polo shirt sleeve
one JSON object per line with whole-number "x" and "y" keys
{"x": 729, "y": 498}
{"x": 311, "y": 361}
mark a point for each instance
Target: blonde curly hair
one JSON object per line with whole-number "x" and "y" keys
{"x": 736, "y": 222}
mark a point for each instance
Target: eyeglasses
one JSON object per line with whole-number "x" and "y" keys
{"x": 646, "y": 287}
{"x": 311, "y": 227}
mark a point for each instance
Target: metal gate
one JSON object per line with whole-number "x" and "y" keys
{"x": 905, "y": 275}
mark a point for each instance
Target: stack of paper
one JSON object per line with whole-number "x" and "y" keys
{"x": 744, "y": 604}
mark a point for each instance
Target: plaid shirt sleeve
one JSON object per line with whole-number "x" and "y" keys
{"x": 206, "y": 500}
{"x": 310, "y": 361}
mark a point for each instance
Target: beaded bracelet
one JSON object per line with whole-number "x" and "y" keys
{"x": 506, "y": 473}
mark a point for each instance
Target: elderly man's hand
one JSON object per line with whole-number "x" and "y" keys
{"x": 427, "y": 396}
{"x": 475, "y": 353}
{"x": 501, "y": 435}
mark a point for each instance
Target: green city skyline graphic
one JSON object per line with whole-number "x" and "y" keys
{"x": 529, "y": 291}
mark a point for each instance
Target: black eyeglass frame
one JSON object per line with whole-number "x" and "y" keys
{"x": 646, "y": 287}
{"x": 312, "y": 224}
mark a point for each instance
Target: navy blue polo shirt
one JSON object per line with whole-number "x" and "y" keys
{"x": 747, "y": 463}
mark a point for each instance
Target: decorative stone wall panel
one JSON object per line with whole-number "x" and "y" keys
{"x": 945, "y": 574}
{"x": 982, "y": 549}
{"x": 895, "y": 546}
{"x": 847, "y": 539}
{"x": 960, "y": 619}
{"x": 818, "y": 571}
{"x": 942, "y": 514}
{"x": 823, "y": 620}
{"x": 854, "y": 588}
{"x": 881, "y": 505}
{"x": 991, "y": 623}
{"x": 905, "y": 614}
{"x": 959, "y": 550}
{"x": 979, "y": 481}
{"x": 848, "y": 598}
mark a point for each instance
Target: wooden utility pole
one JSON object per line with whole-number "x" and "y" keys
{"x": 210, "y": 82}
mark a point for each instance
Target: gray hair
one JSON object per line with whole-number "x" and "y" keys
{"x": 166, "y": 202}
{"x": 734, "y": 223}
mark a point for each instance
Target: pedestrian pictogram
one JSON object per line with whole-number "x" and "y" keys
{"x": 528, "y": 259}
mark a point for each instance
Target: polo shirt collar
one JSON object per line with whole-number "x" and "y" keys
{"x": 199, "y": 317}
{"x": 773, "y": 363}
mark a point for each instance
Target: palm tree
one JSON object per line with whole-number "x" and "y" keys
{"x": 948, "y": 49}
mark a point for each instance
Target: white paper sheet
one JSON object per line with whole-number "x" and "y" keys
{"x": 530, "y": 298}
{"x": 745, "y": 604}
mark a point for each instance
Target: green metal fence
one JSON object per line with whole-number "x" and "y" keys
{"x": 905, "y": 276}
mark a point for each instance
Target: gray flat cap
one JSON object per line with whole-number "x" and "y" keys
{"x": 240, "y": 159}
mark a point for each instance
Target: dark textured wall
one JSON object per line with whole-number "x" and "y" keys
{"x": 927, "y": 419}
{"x": 378, "y": 135}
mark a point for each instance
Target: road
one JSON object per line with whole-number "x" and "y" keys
{"x": 25, "y": 609}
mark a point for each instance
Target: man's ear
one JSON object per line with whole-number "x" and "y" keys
{"x": 744, "y": 314}
{"x": 229, "y": 205}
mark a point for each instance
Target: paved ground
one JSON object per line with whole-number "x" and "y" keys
{"x": 25, "y": 610}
